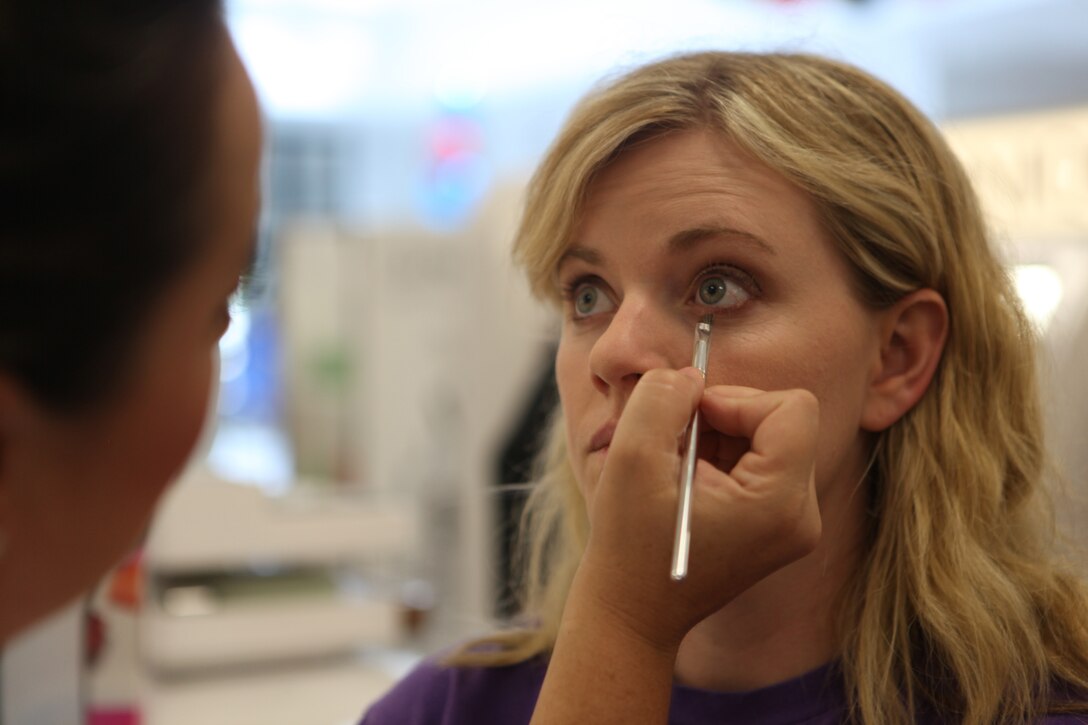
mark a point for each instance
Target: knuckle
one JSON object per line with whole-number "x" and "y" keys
{"x": 799, "y": 527}
{"x": 809, "y": 531}
{"x": 804, "y": 409}
{"x": 805, "y": 400}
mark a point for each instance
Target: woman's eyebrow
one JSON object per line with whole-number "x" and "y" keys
{"x": 585, "y": 254}
{"x": 683, "y": 241}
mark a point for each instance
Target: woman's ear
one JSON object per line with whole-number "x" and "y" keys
{"x": 912, "y": 336}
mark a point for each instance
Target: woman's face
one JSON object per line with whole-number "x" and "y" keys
{"x": 688, "y": 224}
{"x": 93, "y": 479}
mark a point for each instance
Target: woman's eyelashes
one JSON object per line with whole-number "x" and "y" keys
{"x": 719, "y": 288}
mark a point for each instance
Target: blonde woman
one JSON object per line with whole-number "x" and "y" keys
{"x": 870, "y": 538}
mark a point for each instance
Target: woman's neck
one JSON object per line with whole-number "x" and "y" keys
{"x": 785, "y": 625}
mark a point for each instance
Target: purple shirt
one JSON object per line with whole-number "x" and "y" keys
{"x": 437, "y": 695}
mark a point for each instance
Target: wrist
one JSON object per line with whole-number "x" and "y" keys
{"x": 603, "y": 670}
{"x": 635, "y": 627}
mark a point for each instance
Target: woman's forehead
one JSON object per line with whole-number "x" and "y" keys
{"x": 685, "y": 185}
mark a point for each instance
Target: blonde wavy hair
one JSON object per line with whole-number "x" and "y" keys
{"x": 960, "y": 605}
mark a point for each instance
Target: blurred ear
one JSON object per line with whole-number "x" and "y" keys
{"x": 10, "y": 412}
{"x": 18, "y": 415}
{"x": 16, "y": 406}
{"x": 913, "y": 333}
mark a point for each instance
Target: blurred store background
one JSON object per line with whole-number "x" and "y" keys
{"x": 386, "y": 371}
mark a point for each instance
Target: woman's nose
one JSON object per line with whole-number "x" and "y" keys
{"x": 638, "y": 338}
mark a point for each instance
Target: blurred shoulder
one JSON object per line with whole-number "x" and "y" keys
{"x": 438, "y": 694}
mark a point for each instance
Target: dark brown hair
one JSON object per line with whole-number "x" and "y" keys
{"x": 105, "y": 135}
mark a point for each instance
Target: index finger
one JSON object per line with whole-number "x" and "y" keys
{"x": 657, "y": 414}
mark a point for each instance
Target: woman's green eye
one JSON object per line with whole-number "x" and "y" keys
{"x": 712, "y": 290}
{"x": 586, "y": 300}
{"x": 721, "y": 291}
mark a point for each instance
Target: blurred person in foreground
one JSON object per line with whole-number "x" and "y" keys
{"x": 129, "y": 153}
{"x": 871, "y": 539}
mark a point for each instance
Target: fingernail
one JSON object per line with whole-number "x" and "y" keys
{"x": 692, "y": 373}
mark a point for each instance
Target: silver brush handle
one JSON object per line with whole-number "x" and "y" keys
{"x": 681, "y": 544}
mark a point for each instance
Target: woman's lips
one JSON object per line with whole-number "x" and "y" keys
{"x": 720, "y": 450}
{"x": 603, "y": 437}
